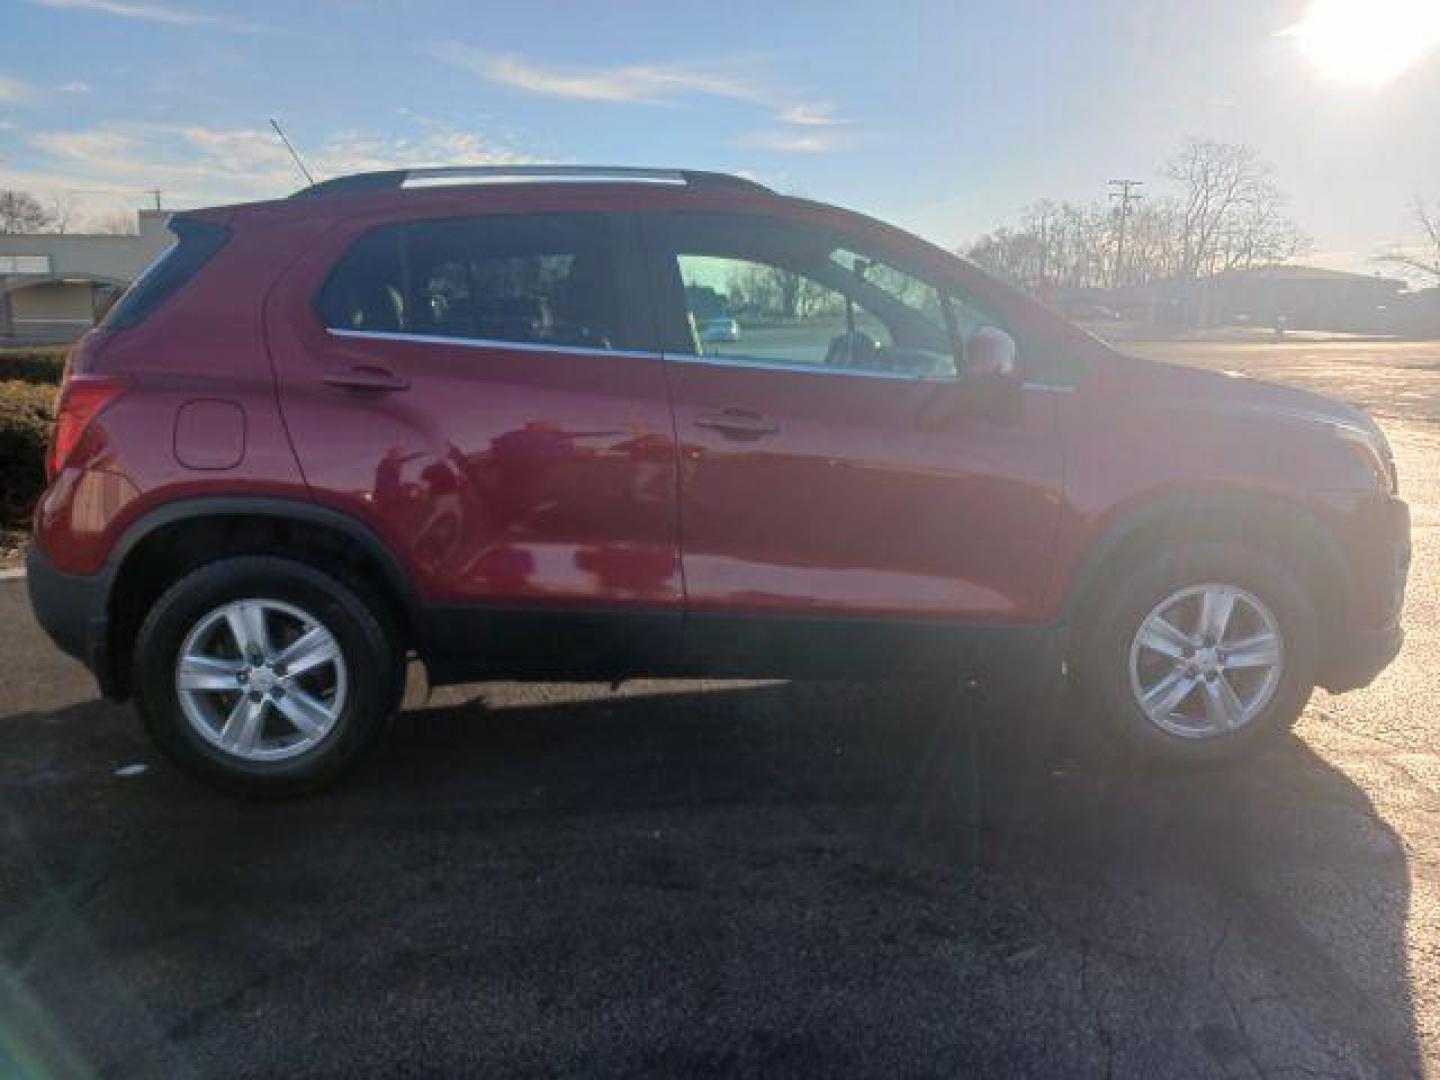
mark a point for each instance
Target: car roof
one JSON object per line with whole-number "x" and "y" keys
{"x": 479, "y": 175}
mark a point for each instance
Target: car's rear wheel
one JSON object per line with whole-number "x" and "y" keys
{"x": 264, "y": 675}
{"x": 1200, "y": 654}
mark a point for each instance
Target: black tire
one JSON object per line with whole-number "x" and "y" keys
{"x": 1104, "y": 638}
{"x": 374, "y": 663}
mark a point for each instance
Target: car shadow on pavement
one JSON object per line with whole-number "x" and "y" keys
{"x": 761, "y": 880}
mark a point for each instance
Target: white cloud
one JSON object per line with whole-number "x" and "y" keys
{"x": 649, "y": 84}
{"x": 195, "y": 164}
{"x": 75, "y": 87}
{"x": 12, "y": 89}
{"x": 810, "y": 116}
{"x": 796, "y": 142}
{"x": 645, "y": 84}
{"x": 147, "y": 12}
{"x": 805, "y": 127}
{"x": 97, "y": 145}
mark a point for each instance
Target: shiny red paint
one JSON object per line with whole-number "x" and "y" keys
{"x": 849, "y": 508}
{"x": 1136, "y": 433}
{"x": 555, "y": 478}
{"x": 498, "y": 475}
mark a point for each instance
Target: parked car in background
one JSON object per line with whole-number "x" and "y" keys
{"x": 720, "y": 331}
{"x": 422, "y": 413}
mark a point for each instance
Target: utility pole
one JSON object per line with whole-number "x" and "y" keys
{"x": 1120, "y": 191}
{"x": 156, "y": 193}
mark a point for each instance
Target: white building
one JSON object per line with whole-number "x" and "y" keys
{"x": 53, "y": 286}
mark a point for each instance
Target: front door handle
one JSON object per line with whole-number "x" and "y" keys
{"x": 738, "y": 423}
{"x": 367, "y": 377}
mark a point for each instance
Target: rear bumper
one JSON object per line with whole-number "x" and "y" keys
{"x": 71, "y": 609}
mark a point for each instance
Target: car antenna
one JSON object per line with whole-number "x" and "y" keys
{"x": 298, "y": 163}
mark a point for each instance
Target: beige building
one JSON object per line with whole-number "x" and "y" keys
{"x": 54, "y": 286}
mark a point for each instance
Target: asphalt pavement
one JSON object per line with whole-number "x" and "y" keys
{"x": 686, "y": 879}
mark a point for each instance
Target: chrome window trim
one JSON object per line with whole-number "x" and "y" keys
{"x": 804, "y": 369}
{"x": 679, "y": 358}
{"x": 489, "y": 343}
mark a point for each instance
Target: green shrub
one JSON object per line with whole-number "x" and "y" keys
{"x": 34, "y": 364}
{"x": 26, "y": 412}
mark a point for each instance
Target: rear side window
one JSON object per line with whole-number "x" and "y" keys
{"x": 196, "y": 243}
{"x": 548, "y": 279}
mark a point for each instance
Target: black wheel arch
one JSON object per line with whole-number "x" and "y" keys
{"x": 1268, "y": 522}
{"x": 250, "y": 525}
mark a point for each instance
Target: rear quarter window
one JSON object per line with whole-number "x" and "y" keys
{"x": 196, "y": 243}
{"x": 550, "y": 280}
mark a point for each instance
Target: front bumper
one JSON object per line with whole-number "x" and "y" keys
{"x": 1365, "y": 643}
{"x": 71, "y": 609}
{"x": 1360, "y": 656}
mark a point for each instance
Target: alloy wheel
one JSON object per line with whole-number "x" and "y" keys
{"x": 261, "y": 680}
{"x": 1206, "y": 660}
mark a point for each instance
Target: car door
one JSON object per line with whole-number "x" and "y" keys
{"x": 480, "y": 392}
{"x": 820, "y": 514}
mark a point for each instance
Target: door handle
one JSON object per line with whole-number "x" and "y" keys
{"x": 738, "y": 423}
{"x": 367, "y": 377}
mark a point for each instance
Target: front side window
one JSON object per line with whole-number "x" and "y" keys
{"x": 767, "y": 292}
{"x": 761, "y": 312}
{"x": 531, "y": 279}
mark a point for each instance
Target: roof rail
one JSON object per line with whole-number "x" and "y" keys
{"x": 456, "y": 175}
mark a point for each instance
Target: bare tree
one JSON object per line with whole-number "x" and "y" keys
{"x": 772, "y": 292}
{"x": 62, "y": 211}
{"x": 1425, "y": 259}
{"x": 1227, "y": 215}
{"x": 1055, "y": 245}
{"x": 21, "y": 212}
{"x": 1152, "y": 243}
{"x": 1231, "y": 211}
{"x": 1258, "y": 233}
{"x": 1012, "y": 254}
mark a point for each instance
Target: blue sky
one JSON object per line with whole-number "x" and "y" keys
{"x": 944, "y": 117}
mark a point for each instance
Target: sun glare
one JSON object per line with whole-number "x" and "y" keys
{"x": 1367, "y": 42}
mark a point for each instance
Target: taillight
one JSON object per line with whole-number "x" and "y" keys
{"x": 81, "y": 399}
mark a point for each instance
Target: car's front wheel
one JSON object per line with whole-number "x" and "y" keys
{"x": 264, "y": 675}
{"x": 1200, "y": 654}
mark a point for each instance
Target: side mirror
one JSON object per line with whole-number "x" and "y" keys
{"x": 989, "y": 351}
{"x": 989, "y": 388}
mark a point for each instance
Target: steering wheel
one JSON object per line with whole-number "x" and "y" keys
{"x": 853, "y": 348}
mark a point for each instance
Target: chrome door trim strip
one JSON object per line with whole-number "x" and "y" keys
{"x": 489, "y": 343}
{"x": 679, "y": 358}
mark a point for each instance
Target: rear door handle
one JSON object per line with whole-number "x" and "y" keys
{"x": 367, "y": 377}
{"x": 738, "y": 423}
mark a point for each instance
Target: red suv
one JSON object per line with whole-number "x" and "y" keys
{"x": 598, "y": 423}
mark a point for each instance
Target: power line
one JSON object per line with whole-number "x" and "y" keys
{"x": 1121, "y": 192}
